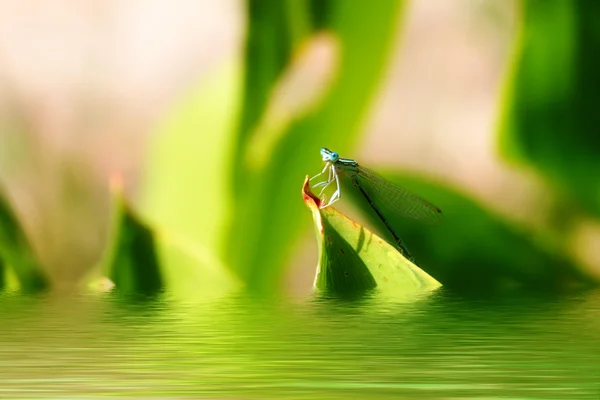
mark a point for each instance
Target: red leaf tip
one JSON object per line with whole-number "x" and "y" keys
{"x": 308, "y": 195}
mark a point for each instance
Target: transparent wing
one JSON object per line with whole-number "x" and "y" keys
{"x": 396, "y": 198}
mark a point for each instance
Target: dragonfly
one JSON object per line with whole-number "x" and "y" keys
{"x": 376, "y": 190}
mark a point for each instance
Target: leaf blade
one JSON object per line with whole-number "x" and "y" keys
{"x": 17, "y": 253}
{"x": 550, "y": 98}
{"x": 352, "y": 259}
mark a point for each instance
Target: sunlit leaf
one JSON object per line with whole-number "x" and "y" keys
{"x": 190, "y": 271}
{"x": 187, "y": 171}
{"x": 352, "y": 259}
{"x": 16, "y": 251}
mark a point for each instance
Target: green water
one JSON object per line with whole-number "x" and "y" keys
{"x": 443, "y": 347}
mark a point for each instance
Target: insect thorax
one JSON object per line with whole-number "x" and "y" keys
{"x": 348, "y": 164}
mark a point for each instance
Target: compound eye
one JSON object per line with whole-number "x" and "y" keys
{"x": 334, "y": 156}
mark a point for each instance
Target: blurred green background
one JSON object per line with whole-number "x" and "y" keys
{"x": 211, "y": 114}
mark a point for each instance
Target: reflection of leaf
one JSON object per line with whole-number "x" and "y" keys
{"x": 551, "y": 113}
{"x": 16, "y": 251}
{"x": 266, "y": 213}
{"x": 2, "y": 273}
{"x": 353, "y": 259}
{"x": 475, "y": 250}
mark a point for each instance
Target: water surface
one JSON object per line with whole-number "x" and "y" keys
{"x": 442, "y": 347}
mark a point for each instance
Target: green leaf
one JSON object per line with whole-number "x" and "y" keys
{"x": 190, "y": 271}
{"x": 266, "y": 214}
{"x": 551, "y": 108}
{"x": 273, "y": 33}
{"x": 353, "y": 260}
{"x": 186, "y": 176}
{"x": 475, "y": 250}
{"x": 132, "y": 262}
{"x": 16, "y": 251}
{"x": 145, "y": 260}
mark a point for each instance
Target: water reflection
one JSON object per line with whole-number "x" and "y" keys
{"x": 239, "y": 347}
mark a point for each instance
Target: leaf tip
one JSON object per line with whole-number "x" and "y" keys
{"x": 309, "y": 197}
{"x": 313, "y": 203}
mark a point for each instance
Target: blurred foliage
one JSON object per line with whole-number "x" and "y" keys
{"x": 551, "y": 115}
{"x": 475, "y": 250}
{"x": 142, "y": 259}
{"x": 224, "y": 167}
{"x": 184, "y": 187}
{"x": 191, "y": 169}
{"x": 16, "y": 251}
{"x": 353, "y": 260}
{"x": 190, "y": 271}
{"x": 203, "y": 175}
{"x": 267, "y": 215}
{"x": 276, "y": 30}
{"x": 131, "y": 262}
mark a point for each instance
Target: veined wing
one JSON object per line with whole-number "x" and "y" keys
{"x": 396, "y": 198}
